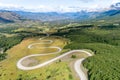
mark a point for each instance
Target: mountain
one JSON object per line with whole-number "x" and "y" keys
{"x": 13, "y": 16}
{"x": 53, "y": 16}
{"x": 48, "y": 16}
{"x": 116, "y": 6}
{"x": 2, "y": 20}
{"x": 8, "y": 16}
{"x": 16, "y": 15}
{"x": 113, "y": 11}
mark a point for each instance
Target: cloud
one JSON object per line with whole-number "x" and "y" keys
{"x": 59, "y": 6}
{"x": 115, "y": 1}
{"x": 8, "y": 5}
{"x": 87, "y": 1}
{"x": 92, "y": 1}
{"x": 43, "y": 8}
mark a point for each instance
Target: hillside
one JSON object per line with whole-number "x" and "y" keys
{"x": 8, "y": 16}
{"x": 105, "y": 42}
{"x": 2, "y": 20}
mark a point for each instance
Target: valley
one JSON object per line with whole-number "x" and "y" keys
{"x": 96, "y": 40}
{"x": 58, "y": 45}
{"x": 19, "y": 51}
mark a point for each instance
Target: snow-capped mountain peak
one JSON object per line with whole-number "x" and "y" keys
{"x": 116, "y": 6}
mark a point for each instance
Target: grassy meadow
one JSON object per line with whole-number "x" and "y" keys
{"x": 9, "y": 71}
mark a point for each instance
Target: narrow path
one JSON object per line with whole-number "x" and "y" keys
{"x": 77, "y": 64}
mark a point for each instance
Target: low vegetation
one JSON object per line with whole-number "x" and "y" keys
{"x": 73, "y": 56}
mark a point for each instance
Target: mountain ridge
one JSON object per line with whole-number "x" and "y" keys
{"x": 9, "y": 16}
{"x": 54, "y": 16}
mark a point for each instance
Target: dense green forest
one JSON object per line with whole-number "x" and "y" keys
{"x": 6, "y": 43}
{"x": 105, "y": 42}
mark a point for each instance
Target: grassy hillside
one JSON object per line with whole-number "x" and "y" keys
{"x": 54, "y": 71}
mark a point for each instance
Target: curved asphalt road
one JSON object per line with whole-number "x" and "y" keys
{"x": 77, "y": 64}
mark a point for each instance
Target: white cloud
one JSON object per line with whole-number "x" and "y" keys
{"x": 90, "y": 5}
{"x": 87, "y": 0}
{"x": 8, "y": 5}
{"x": 114, "y": 1}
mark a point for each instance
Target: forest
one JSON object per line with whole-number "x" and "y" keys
{"x": 6, "y": 43}
{"x": 104, "y": 41}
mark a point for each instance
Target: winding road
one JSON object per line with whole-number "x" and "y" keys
{"x": 77, "y": 64}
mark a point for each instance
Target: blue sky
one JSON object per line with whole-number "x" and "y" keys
{"x": 58, "y": 5}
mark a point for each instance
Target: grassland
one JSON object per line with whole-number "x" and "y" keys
{"x": 57, "y": 70}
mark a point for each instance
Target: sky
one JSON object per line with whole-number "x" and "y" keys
{"x": 57, "y": 5}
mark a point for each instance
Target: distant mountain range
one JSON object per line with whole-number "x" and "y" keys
{"x": 52, "y": 16}
{"x": 12, "y": 16}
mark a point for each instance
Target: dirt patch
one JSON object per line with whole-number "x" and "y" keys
{"x": 74, "y": 56}
{"x": 30, "y": 62}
